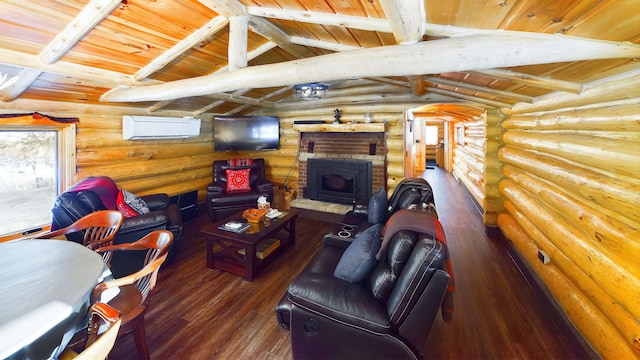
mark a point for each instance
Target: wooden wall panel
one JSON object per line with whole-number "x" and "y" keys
{"x": 141, "y": 166}
{"x": 572, "y": 190}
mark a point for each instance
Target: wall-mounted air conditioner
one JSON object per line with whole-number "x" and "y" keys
{"x": 154, "y": 127}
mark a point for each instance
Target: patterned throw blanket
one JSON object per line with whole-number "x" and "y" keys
{"x": 103, "y": 186}
{"x": 418, "y": 221}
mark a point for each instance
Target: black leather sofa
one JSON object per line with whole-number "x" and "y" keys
{"x": 222, "y": 203}
{"x": 81, "y": 200}
{"x": 388, "y": 313}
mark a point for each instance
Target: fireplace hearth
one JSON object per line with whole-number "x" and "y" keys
{"x": 338, "y": 180}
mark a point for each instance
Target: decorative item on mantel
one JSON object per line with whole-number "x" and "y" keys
{"x": 367, "y": 118}
{"x": 337, "y": 114}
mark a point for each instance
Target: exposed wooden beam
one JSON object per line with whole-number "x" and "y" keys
{"x": 237, "y": 49}
{"x": 271, "y": 32}
{"x": 226, "y": 8}
{"x": 406, "y": 19}
{"x": 532, "y": 80}
{"x": 320, "y": 18}
{"x": 25, "y": 78}
{"x": 429, "y": 57}
{"x": 106, "y": 77}
{"x": 474, "y": 99}
{"x": 242, "y": 100}
{"x": 213, "y": 26}
{"x": 417, "y": 84}
{"x": 485, "y": 90}
{"x": 259, "y": 25}
{"x": 333, "y": 46}
{"x": 87, "y": 19}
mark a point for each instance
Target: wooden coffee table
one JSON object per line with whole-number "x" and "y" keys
{"x": 225, "y": 248}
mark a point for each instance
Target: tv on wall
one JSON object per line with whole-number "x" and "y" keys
{"x": 238, "y": 133}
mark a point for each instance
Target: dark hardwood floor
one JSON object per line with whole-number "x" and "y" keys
{"x": 198, "y": 313}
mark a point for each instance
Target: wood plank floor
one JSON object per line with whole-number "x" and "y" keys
{"x": 198, "y": 313}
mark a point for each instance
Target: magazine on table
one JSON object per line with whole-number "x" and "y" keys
{"x": 235, "y": 226}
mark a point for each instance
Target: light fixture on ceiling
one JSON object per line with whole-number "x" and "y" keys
{"x": 310, "y": 91}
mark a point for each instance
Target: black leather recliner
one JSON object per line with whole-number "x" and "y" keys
{"x": 413, "y": 192}
{"x": 221, "y": 203}
{"x": 82, "y": 199}
{"x": 390, "y": 315}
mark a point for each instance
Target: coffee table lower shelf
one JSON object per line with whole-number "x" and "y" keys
{"x": 223, "y": 247}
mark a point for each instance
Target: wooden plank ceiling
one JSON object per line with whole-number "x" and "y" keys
{"x": 234, "y": 57}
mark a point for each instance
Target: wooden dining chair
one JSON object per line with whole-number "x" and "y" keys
{"x": 98, "y": 345}
{"x": 98, "y": 228}
{"x": 135, "y": 289}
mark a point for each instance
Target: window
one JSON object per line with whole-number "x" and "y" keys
{"x": 36, "y": 164}
{"x": 431, "y": 135}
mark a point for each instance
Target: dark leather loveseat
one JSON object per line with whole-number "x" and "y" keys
{"x": 99, "y": 193}
{"x": 368, "y": 301}
{"x": 222, "y": 203}
{"x": 386, "y": 315}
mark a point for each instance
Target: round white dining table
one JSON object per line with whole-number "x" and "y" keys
{"x": 45, "y": 288}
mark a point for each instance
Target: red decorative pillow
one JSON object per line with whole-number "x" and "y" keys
{"x": 238, "y": 180}
{"x": 130, "y": 205}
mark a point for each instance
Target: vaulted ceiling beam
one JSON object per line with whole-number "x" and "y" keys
{"x": 320, "y": 18}
{"x": 333, "y": 46}
{"x": 532, "y": 80}
{"x": 485, "y": 90}
{"x": 406, "y": 19}
{"x": 209, "y": 29}
{"x": 92, "y": 14}
{"x": 429, "y": 57}
{"x": 474, "y": 99}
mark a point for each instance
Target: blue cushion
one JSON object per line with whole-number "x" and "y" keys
{"x": 359, "y": 258}
{"x": 377, "y": 209}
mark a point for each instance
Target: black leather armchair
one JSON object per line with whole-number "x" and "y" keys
{"x": 221, "y": 203}
{"x": 413, "y": 192}
{"x": 390, "y": 314}
{"x": 99, "y": 193}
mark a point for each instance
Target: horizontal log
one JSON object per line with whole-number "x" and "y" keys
{"x": 619, "y": 157}
{"x": 136, "y": 169}
{"x": 98, "y": 156}
{"x": 610, "y": 118}
{"x": 617, "y": 87}
{"x": 606, "y": 320}
{"x": 599, "y": 227}
{"x": 614, "y": 194}
{"x": 615, "y": 275}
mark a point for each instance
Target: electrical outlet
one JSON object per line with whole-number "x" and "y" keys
{"x": 543, "y": 257}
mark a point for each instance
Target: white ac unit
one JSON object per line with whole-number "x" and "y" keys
{"x": 154, "y": 127}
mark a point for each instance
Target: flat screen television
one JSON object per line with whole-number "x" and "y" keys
{"x": 242, "y": 133}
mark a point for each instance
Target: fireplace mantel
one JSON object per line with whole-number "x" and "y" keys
{"x": 341, "y": 128}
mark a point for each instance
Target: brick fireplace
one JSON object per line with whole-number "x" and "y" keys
{"x": 357, "y": 147}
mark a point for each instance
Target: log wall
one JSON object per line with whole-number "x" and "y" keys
{"x": 140, "y": 166}
{"x": 475, "y": 162}
{"x": 572, "y": 190}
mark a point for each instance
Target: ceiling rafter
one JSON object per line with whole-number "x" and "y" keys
{"x": 532, "y": 80}
{"x": 320, "y": 18}
{"x": 485, "y": 90}
{"x": 92, "y": 14}
{"x": 210, "y": 28}
{"x": 428, "y": 57}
